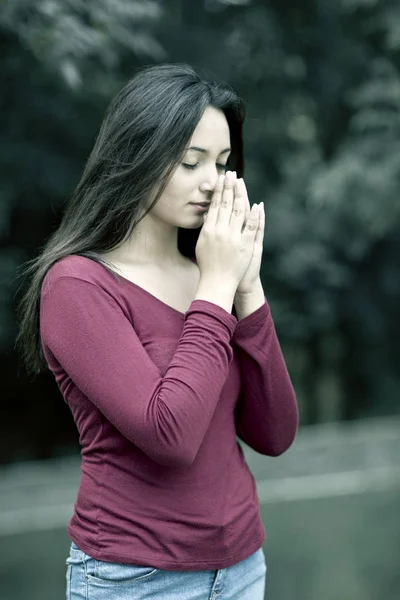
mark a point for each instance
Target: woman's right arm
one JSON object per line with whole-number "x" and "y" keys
{"x": 88, "y": 334}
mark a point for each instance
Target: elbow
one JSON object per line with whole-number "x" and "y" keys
{"x": 174, "y": 458}
{"x": 280, "y": 444}
{"x": 178, "y": 461}
{"x": 278, "y": 447}
{"x": 168, "y": 440}
{"x": 273, "y": 447}
{"x": 275, "y": 443}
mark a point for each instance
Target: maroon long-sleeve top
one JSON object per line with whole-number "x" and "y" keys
{"x": 160, "y": 399}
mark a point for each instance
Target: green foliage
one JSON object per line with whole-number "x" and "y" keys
{"x": 83, "y": 39}
{"x": 321, "y": 82}
{"x": 62, "y": 62}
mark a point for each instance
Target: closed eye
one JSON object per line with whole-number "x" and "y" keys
{"x": 192, "y": 167}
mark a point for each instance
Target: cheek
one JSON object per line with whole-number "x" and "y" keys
{"x": 169, "y": 205}
{"x": 178, "y": 190}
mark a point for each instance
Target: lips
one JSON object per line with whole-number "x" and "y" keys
{"x": 203, "y": 204}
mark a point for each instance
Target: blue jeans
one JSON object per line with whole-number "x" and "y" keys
{"x": 90, "y": 579}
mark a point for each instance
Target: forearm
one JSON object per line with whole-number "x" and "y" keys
{"x": 267, "y": 413}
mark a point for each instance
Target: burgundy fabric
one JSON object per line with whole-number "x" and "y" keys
{"x": 160, "y": 399}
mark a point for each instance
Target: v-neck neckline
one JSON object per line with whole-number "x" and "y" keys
{"x": 149, "y": 294}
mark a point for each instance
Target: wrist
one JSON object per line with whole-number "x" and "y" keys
{"x": 256, "y": 288}
{"x": 248, "y": 302}
{"x": 217, "y": 291}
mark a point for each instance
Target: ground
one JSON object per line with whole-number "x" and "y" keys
{"x": 329, "y": 505}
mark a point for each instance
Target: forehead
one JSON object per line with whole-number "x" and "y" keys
{"x": 212, "y": 130}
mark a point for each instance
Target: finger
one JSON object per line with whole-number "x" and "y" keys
{"x": 242, "y": 190}
{"x": 213, "y": 209}
{"x": 225, "y": 209}
{"x": 238, "y": 214}
{"x": 251, "y": 227}
{"x": 259, "y": 238}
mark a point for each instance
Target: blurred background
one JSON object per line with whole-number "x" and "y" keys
{"x": 321, "y": 82}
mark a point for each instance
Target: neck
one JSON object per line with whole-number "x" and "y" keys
{"x": 151, "y": 243}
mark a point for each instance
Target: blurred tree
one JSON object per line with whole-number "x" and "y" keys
{"x": 61, "y": 63}
{"x": 321, "y": 81}
{"x": 85, "y": 40}
{"x": 84, "y": 44}
{"x": 323, "y": 85}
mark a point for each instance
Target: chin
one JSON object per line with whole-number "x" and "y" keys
{"x": 191, "y": 226}
{"x": 195, "y": 223}
{"x": 192, "y": 223}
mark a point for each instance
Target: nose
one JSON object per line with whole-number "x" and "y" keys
{"x": 210, "y": 181}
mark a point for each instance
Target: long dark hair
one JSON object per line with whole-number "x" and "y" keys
{"x": 144, "y": 135}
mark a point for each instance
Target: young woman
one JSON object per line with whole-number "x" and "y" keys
{"x": 147, "y": 306}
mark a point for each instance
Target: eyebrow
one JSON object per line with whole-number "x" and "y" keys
{"x": 197, "y": 149}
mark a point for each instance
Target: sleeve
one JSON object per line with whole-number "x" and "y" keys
{"x": 266, "y": 414}
{"x": 89, "y": 335}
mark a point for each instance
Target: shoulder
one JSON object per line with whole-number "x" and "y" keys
{"x": 81, "y": 268}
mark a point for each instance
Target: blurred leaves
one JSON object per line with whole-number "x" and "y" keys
{"x": 78, "y": 37}
{"x": 322, "y": 140}
{"x": 361, "y": 182}
{"x": 217, "y": 5}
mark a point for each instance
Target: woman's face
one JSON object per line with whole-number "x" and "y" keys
{"x": 196, "y": 176}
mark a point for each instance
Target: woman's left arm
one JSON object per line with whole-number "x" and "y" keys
{"x": 266, "y": 414}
